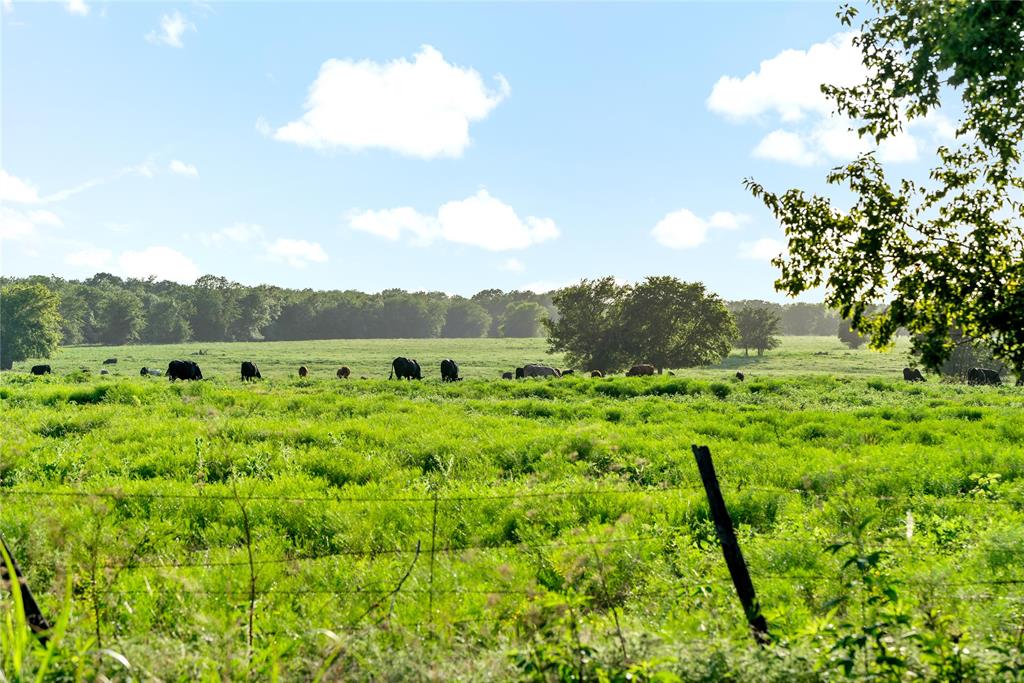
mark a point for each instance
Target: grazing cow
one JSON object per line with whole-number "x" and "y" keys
{"x": 405, "y": 368}
{"x": 566, "y": 373}
{"x": 913, "y": 375}
{"x": 740, "y": 376}
{"x": 520, "y": 373}
{"x": 183, "y": 370}
{"x": 110, "y": 361}
{"x": 449, "y": 371}
{"x": 152, "y": 372}
{"x": 144, "y": 371}
{"x": 983, "y": 376}
{"x": 364, "y": 377}
{"x": 104, "y": 372}
{"x": 596, "y": 373}
{"x": 536, "y": 370}
{"x": 640, "y": 370}
{"x": 303, "y": 371}
{"x": 250, "y": 371}
{"x": 506, "y": 375}
{"x": 40, "y": 370}
{"x": 344, "y": 372}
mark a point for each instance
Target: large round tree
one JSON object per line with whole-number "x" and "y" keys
{"x": 30, "y": 324}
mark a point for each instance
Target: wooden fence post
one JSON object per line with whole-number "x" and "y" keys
{"x": 731, "y": 547}
{"x": 33, "y": 615}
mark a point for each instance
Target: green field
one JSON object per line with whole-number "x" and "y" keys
{"x": 539, "y": 529}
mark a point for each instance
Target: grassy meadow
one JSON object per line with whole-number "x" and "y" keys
{"x": 491, "y": 530}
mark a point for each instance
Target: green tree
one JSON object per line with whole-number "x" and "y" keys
{"x": 522, "y": 319}
{"x": 30, "y": 324}
{"x": 674, "y": 324}
{"x": 605, "y": 326}
{"x": 587, "y": 326}
{"x": 214, "y": 308}
{"x": 466, "y": 319}
{"x": 850, "y": 336}
{"x": 946, "y": 252}
{"x": 255, "y": 308}
{"x": 758, "y": 329}
{"x": 167, "y": 321}
{"x": 120, "y": 318}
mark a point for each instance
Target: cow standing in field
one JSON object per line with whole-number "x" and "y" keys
{"x": 983, "y": 376}
{"x": 506, "y": 375}
{"x": 644, "y": 369}
{"x": 183, "y": 370}
{"x": 303, "y": 372}
{"x": 913, "y": 375}
{"x": 567, "y": 373}
{"x": 40, "y": 370}
{"x": 596, "y": 374}
{"x": 344, "y": 372}
{"x": 449, "y": 371}
{"x": 250, "y": 371}
{"x": 740, "y": 376}
{"x": 405, "y": 368}
{"x": 536, "y": 370}
{"x": 110, "y": 361}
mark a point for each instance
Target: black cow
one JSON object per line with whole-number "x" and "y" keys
{"x": 110, "y": 361}
{"x": 344, "y": 372}
{"x": 450, "y": 371}
{"x": 740, "y": 376}
{"x": 566, "y": 373}
{"x": 520, "y": 373}
{"x": 104, "y": 372}
{"x": 537, "y": 370}
{"x": 596, "y": 373}
{"x": 41, "y": 370}
{"x": 250, "y": 371}
{"x": 640, "y": 370}
{"x": 183, "y": 370}
{"x": 983, "y": 376}
{"x": 913, "y": 375}
{"x": 303, "y": 371}
{"x": 506, "y": 375}
{"x": 405, "y": 368}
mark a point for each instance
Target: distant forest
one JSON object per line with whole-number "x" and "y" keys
{"x": 106, "y": 309}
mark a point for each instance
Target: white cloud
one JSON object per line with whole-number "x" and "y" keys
{"x": 726, "y": 220}
{"x": 15, "y": 225}
{"x": 681, "y": 229}
{"x": 172, "y": 29}
{"x": 512, "y": 265}
{"x": 8, "y": 6}
{"x": 162, "y": 262}
{"x": 543, "y": 286}
{"x": 421, "y": 108}
{"x": 77, "y": 7}
{"x": 479, "y": 220}
{"x": 90, "y": 257}
{"x": 782, "y": 145}
{"x": 239, "y": 233}
{"x": 181, "y": 168}
{"x": 787, "y": 88}
{"x": 764, "y": 249}
{"x": 45, "y": 218}
{"x": 296, "y": 253}
{"x": 16, "y": 190}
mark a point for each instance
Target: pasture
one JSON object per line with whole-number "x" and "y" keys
{"x": 489, "y": 529}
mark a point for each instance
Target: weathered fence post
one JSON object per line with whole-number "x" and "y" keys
{"x": 33, "y": 615}
{"x": 731, "y": 547}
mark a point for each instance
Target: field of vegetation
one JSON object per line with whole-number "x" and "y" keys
{"x": 488, "y": 529}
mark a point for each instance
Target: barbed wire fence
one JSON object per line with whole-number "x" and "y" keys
{"x": 435, "y": 504}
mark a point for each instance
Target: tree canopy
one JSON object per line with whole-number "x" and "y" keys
{"x": 662, "y": 320}
{"x": 30, "y": 316}
{"x": 947, "y": 251}
{"x": 757, "y": 329}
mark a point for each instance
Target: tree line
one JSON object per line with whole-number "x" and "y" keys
{"x": 106, "y": 309}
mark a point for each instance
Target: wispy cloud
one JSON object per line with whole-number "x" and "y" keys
{"x": 172, "y": 29}
{"x": 181, "y": 168}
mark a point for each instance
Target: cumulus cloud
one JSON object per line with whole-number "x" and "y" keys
{"x": 764, "y": 249}
{"x": 15, "y": 225}
{"x": 421, "y": 108}
{"x": 77, "y": 7}
{"x": 94, "y": 258}
{"x": 512, "y": 265}
{"x": 296, "y": 253}
{"x": 172, "y": 30}
{"x": 479, "y": 220}
{"x": 786, "y": 89}
{"x": 161, "y": 262}
{"x": 16, "y": 190}
{"x": 683, "y": 229}
{"x": 181, "y": 168}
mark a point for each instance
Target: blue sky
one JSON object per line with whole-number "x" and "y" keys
{"x": 443, "y": 147}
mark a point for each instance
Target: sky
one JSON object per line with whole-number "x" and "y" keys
{"x": 442, "y": 147}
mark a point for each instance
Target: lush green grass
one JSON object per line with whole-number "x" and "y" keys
{"x": 570, "y": 528}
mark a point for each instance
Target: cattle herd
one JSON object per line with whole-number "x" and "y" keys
{"x": 409, "y": 368}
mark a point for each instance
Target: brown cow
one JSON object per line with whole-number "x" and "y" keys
{"x": 344, "y": 372}
{"x": 303, "y": 371}
{"x": 640, "y": 370}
